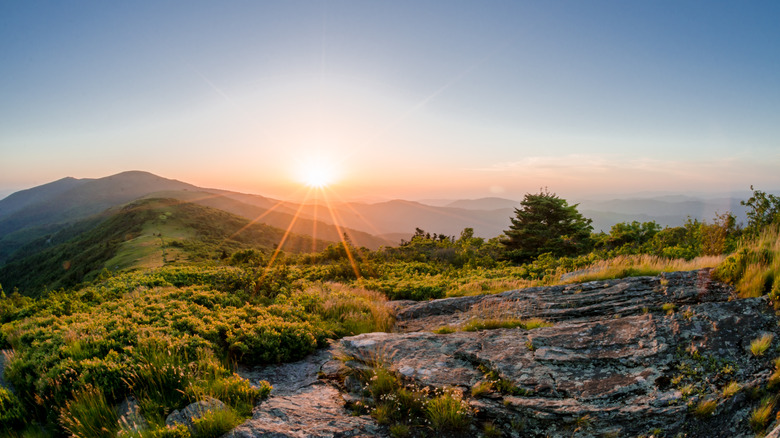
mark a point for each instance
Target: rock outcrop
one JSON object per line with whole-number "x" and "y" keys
{"x": 631, "y": 357}
{"x": 302, "y": 405}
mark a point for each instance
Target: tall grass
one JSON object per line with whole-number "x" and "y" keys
{"x": 356, "y": 309}
{"x": 448, "y": 413}
{"x": 639, "y": 265}
{"x": 88, "y": 415}
{"x": 754, "y": 269}
{"x": 159, "y": 382}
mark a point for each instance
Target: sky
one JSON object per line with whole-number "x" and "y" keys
{"x": 395, "y": 99}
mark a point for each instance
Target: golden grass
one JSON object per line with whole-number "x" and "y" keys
{"x": 360, "y": 310}
{"x": 753, "y": 268}
{"x": 705, "y": 408}
{"x": 731, "y": 389}
{"x": 759, "y": 345}
{"x": 761, "y": 415}
{"x": 639, "y": 265}
{"x": 489, "y": 286}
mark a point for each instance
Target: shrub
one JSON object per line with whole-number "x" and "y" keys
{"x": 12, "y": 413}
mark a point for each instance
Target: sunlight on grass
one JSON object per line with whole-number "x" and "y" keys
{"x": 753, "y": 268}
{"x": 639, "y": 265}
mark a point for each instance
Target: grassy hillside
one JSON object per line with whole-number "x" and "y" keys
{"x": 144, "y": 234}
{"x": 30, "y": 214}
{"x": 280, "y": 215}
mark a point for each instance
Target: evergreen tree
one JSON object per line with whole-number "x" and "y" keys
{"x": 546, "y": 224}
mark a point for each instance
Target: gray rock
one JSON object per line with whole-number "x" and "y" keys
{"x": 130, "y": 418}
{"x": 193, "y": 411}
{"x": 315, "y": 412}
{"x": 617, "y": 372}
{"x": 613, "y": 364}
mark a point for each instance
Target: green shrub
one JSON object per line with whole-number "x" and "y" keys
{"x": 12, "y": 414}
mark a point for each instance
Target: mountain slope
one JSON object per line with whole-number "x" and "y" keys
{"x": 45, "y": 209}
{"x": 24, "y": 198}
{"x": 143, "y": 234}
{"x": 278, "y": 214}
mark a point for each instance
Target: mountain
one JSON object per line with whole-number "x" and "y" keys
{"x": 484, "y": 204}
{"x": 669, "y": 211}
{"x": 84, "y": 198}
{"x": 33, "y": 213}
{"x": 402, "y": 217}
{"x": 143, "y": 234}
{"x": 24, "y": 198}
{"x": 279, "y": 214}
{"x": 44, "y": 210}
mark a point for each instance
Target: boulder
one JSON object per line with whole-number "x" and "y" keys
{"x": 130, "y": 418}
{"x": 193, "y": 411}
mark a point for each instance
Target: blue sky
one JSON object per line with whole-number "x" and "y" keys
{"x": 398, "y": 99}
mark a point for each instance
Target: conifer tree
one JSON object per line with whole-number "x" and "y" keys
{"x": 546, "y": 224}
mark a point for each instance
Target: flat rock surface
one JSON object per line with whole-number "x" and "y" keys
{"x": 301, "y": 405}
{"x": 629, "y": 357}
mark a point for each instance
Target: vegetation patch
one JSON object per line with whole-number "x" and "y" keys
{"x": 761, "y": 344}
{"x": 492, "y": 324}
{"x": 408, "y": 409}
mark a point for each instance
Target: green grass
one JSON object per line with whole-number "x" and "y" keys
{"x": 482, "y": 388}
{"x": 89, "y": 415}
{"x": 215, "y": 423}
{"x": 445, "y": 330}
{"x": 448, "y": 413}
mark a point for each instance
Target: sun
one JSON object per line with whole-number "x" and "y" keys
{"x": 317, "y": 172}
{"x": 318, "y": 177}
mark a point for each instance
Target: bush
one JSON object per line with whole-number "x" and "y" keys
{"x": 12, "y": 414}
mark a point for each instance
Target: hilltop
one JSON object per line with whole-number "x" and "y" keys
{"x": 148, "y": 233}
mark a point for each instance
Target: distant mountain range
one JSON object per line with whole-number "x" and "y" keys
{"x": 62, "y": 206}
